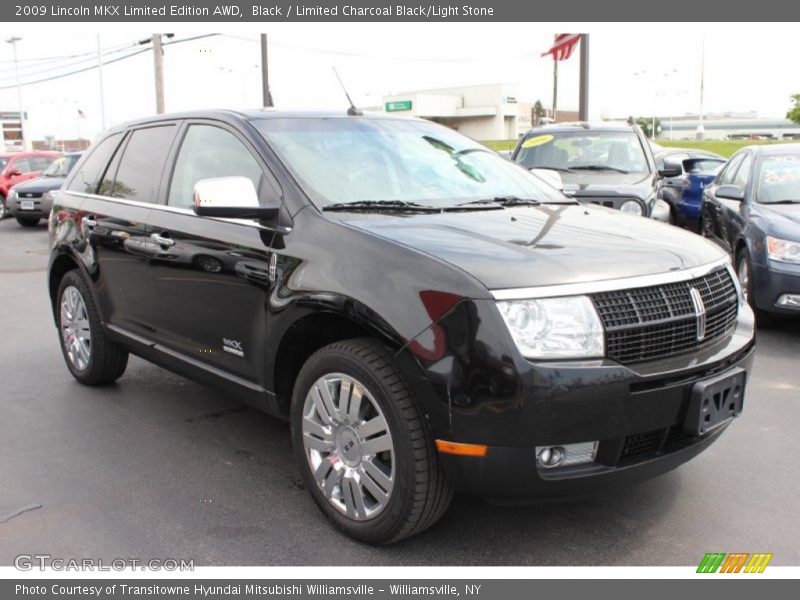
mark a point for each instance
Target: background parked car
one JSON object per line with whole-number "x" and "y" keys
{"x": 20, "y": 167}
{"x": 31, "y": 200}
{"x": 697, "y": 179}
{"x": 752, "y": 209}
{"x": 609, "y": 164}
{"x": 685, "y": 161}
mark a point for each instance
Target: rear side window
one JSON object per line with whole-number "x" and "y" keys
{"x": 140, "y": 168}
{"x": 86, "y": 178}
{"x": 207, "y": 152}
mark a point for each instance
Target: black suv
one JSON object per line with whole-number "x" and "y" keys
{"x": 607, "y": 163}
{"x": 427, "y": 315}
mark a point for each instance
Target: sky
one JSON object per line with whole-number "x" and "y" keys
{"x": 747, "y": 68}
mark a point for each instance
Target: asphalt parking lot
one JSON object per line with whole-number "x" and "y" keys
{"x": 156, "y": 466}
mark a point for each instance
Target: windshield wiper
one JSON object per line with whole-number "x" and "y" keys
{"x": 381, "y": 205}
{"x": 598, "y": 168}
{"x": 787, "y": 201}
{"x": 549, "y": 168}
{"x": 503, "y": 201}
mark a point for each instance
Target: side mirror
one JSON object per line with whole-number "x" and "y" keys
{"x": 14, "y": 173}
{"x": 671, "y": 169}
{"x": 730, "y": 192}
{"x": 230, "y": 198}
{"x": 550, "y": 177}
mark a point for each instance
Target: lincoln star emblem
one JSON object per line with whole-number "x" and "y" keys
{"x": 699, "y": 313}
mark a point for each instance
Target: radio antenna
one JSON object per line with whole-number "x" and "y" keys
{"x": 352, "y": 111}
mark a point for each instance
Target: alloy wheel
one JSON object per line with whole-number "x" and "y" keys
{"x": 744, "y": 278}
{"x": 75, "y": 332}
{"x": 348, "y": 446}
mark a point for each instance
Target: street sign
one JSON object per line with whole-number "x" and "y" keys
{"x": 398, "y": 105}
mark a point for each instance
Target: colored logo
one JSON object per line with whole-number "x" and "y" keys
{"x": 735, "y": 562}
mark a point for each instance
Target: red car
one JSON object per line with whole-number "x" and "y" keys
{"x": 19, "y": 167}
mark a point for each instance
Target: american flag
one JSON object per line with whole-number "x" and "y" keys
{"x": 563, "y": 45}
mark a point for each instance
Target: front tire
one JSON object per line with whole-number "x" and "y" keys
{"x": 3, "y": 209}
{"x": 90, "y": 356}
{"x": 364, "y": 446}
{"x": 744, "y": 271}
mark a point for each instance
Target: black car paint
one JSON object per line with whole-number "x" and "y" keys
{"x": 743, "y": 226}
{"x": 420, "y": 283}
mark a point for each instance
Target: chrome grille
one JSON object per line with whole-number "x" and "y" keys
{"x": 659, "y": 321}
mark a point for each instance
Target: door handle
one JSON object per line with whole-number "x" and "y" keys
{"x": 90, "y": 222}
{"x": 162, "y": 240}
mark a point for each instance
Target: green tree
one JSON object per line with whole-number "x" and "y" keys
{"x": 794, "y": 113}
{"x": 646, "y": 123}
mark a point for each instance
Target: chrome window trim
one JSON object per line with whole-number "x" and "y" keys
{"x": 163, "y": 207}
{"x": 610, "y": 285}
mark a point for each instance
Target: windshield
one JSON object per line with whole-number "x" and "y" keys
{"x": 584, "y": 149}
{"x": 347, "y": 160}
{"x": 3, "y": 162}
{"x": 60, "y": 167}
{"x": 779, "y": 179}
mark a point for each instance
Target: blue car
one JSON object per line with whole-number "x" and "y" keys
{"x": 752, "y": 209}
{"x": 700, "y": 172}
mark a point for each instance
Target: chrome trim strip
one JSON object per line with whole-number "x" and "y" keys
{"x": 608, "y": 285}
{"x": 166, "y": 208}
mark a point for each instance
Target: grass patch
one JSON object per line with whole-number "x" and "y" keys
{"x": 725, "y": 148}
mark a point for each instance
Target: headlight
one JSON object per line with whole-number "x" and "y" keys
{"x": 632, "y": 207}
{"x": 565, "y": 327}
{"x": 783, "y": 250}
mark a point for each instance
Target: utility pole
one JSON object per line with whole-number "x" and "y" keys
{"x": 555, "y": 87}
{"x": 583, "y": 102}
{"x": 100, "y": 78}
{"x": 158, "y": 63}
{"x": 25, "y": 142}
{"x": 701, "y": 129}
{"x": 266, "y": 96}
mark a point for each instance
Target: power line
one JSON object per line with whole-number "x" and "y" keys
{"x": 43, "y": 61}
{"x": 107, "y": 62}
{"x": 58, "y": 67}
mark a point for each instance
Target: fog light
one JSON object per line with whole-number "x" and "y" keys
{"x": 789, "y": 301}
{"x": 550, "y": 456}
{"x": 565, "y": 455}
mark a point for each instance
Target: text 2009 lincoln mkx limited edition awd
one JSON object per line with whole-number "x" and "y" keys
{"x": 427, "y": 315}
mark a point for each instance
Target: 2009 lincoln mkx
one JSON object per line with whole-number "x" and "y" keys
{"x": 427, "y": 315}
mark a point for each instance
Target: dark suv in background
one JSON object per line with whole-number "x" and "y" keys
{"x": 608, "y": 163}
{"x": 425, "y": 314}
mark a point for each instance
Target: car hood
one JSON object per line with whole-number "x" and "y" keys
{"x": 784, "y": 218}
{"x": 593, "y": 183}
{"x": 546, "y": 245}
{"x": 40, "y": 185}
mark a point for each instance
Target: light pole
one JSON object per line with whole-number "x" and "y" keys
{"x": 25, "y": 143}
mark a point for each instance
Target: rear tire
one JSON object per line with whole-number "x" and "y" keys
{"x": 28, "y": 221}
{"x": 90, "y": 356}
{"x": 338, "y": 448}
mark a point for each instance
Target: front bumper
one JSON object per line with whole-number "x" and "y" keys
{"x": 772, "y": 281}
{"x": 635, "y": 413}
{"x": 41, "y": 207}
